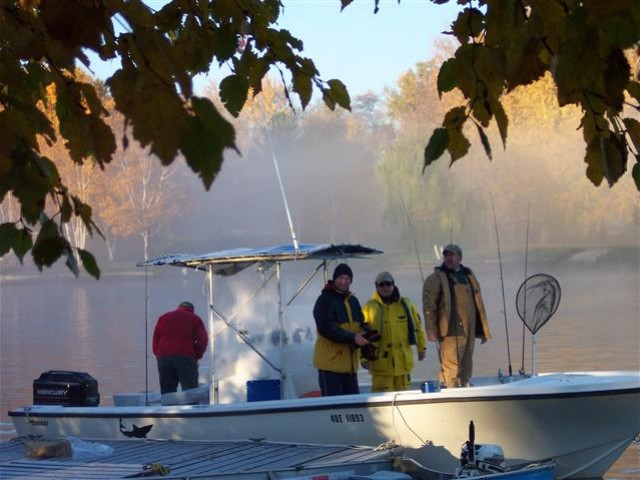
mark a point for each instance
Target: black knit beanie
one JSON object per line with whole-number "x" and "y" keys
{"x": 187, "y": 305}
{"x": 342, "y": 269}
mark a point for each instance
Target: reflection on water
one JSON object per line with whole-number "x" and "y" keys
{"x": 52, "y": 322}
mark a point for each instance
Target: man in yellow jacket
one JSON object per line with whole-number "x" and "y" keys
{"x": 341, "y": 333}
{"x": 398, "y": 321}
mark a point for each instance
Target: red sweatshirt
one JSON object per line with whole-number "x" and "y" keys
{"x": 180, "y": 332}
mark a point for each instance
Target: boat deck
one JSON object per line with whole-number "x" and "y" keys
{"x": 242, "y": 460}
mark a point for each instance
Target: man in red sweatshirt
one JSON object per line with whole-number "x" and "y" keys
{"x": 179, "y": 341}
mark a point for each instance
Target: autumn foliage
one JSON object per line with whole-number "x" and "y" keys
{"x": 507, "y": 44}
{"x": 43, "y": 41}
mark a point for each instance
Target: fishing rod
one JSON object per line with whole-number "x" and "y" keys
{"x": 526, "y": 263}
{"x": 146, "y": 335}
{"x": 413, "y": 237}
{"x": 504, "y": 303}
{"x": 415, "y": 247}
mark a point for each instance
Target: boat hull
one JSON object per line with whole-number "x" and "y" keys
{"x": 583, "y": 421}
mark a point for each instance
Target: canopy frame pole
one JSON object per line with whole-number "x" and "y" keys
{"x": 281, "y": 326}
{"x": 304, "y": 284}
{"x": 213, "y": 386}
{"x": 242, "y": 336}
{"x": 264, "y": 283}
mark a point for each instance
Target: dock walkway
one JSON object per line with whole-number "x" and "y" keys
{"x": 238, "y": 460}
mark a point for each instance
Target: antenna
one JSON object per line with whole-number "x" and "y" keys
{"x": 296, "y": 245}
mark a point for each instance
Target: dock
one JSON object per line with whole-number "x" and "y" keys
{"x": 234, "y": 460}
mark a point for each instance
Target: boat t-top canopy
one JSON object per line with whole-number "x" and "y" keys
{"x": 230, "y": 262}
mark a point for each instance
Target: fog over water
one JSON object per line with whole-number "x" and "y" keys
{"x": 56, "y": 322}
{"x": 336, "y": 194}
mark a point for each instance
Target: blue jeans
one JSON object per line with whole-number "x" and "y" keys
{"x": 332, "y": 383}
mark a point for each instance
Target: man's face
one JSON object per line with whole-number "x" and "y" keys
{"x": 452, "y": 260}
{"x": 385, "y": 289}
{"x": 342, "y": 283}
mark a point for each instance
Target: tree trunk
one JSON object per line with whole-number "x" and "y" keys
{"x": 145, "y": 240}
{"x": 111, "y": 246}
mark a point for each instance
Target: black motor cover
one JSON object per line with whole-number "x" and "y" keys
{"x": 69, "y": 389}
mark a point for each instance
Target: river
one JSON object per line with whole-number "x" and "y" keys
{"x": 53, "y": 321}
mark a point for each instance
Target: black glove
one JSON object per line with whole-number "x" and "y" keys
{"x": 370, "y": 352}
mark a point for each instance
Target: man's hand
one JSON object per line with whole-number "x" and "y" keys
{"x": 431, "y": 336}
{"x": 360, "y": 340}
{"x": 422, "y": 355}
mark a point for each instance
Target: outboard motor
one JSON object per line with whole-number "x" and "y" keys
{"x": 476, "y": 460}
{"x": 69, "y": 389}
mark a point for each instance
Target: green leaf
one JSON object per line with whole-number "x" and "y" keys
{"x": 635, "y": 173}
{"x": 233, "y": 93}
{"x": 616, "y": 78}
{"x": 344, "y": 4}
{"x": 65, "y": 209}
{"x": 458, "y": 145}
{"x": 327, "y": 97}
{"x": 606, "y": 157}
{"x": 122, "y": 84}
{"x": 83, "y": 211}
{"x": 340, "y": 94}
{"x": 482, "y": 112}
{"x": 485, "y": 141}
{"x": 22, "y": 243}
{"x": 470, "y": 23}
{"x": 435, "y": 148}
{"x": 593, "y": 126}
{"x": 633, "y": 88}
{"x": 501, "y": 119}
{"x": 89, "y": 263}
{"x": 633, "y": 130}
{"x": 455, "y": 118}
{"x": 616, "y": 159}
{"x": 158, "y": 118}
{"x": 447, "y": 76}
{"x": 206, "y": 136}
{"x": 593, "y": 159}
{"x": 49, "y": 245}
{"x": 7, "y": 232}
{"x": 303, "y": 87}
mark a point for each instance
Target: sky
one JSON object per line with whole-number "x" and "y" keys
{"x": 367, "y": 51}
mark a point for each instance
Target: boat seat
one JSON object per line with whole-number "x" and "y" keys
{"x": 193, "y": 396}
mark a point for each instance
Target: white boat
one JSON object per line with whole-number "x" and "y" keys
{"x": 584, "y": 421}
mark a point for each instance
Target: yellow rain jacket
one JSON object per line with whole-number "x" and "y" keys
{"x": 338, "y": 318}
{"x": 395, "y": 356}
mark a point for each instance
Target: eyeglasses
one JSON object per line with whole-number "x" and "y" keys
{"x": 385, "y": 284}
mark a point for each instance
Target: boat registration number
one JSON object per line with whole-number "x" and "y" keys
{"x": 347, "y": 418}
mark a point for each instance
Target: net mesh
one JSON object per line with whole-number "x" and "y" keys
{"x": 537, "y": 300}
